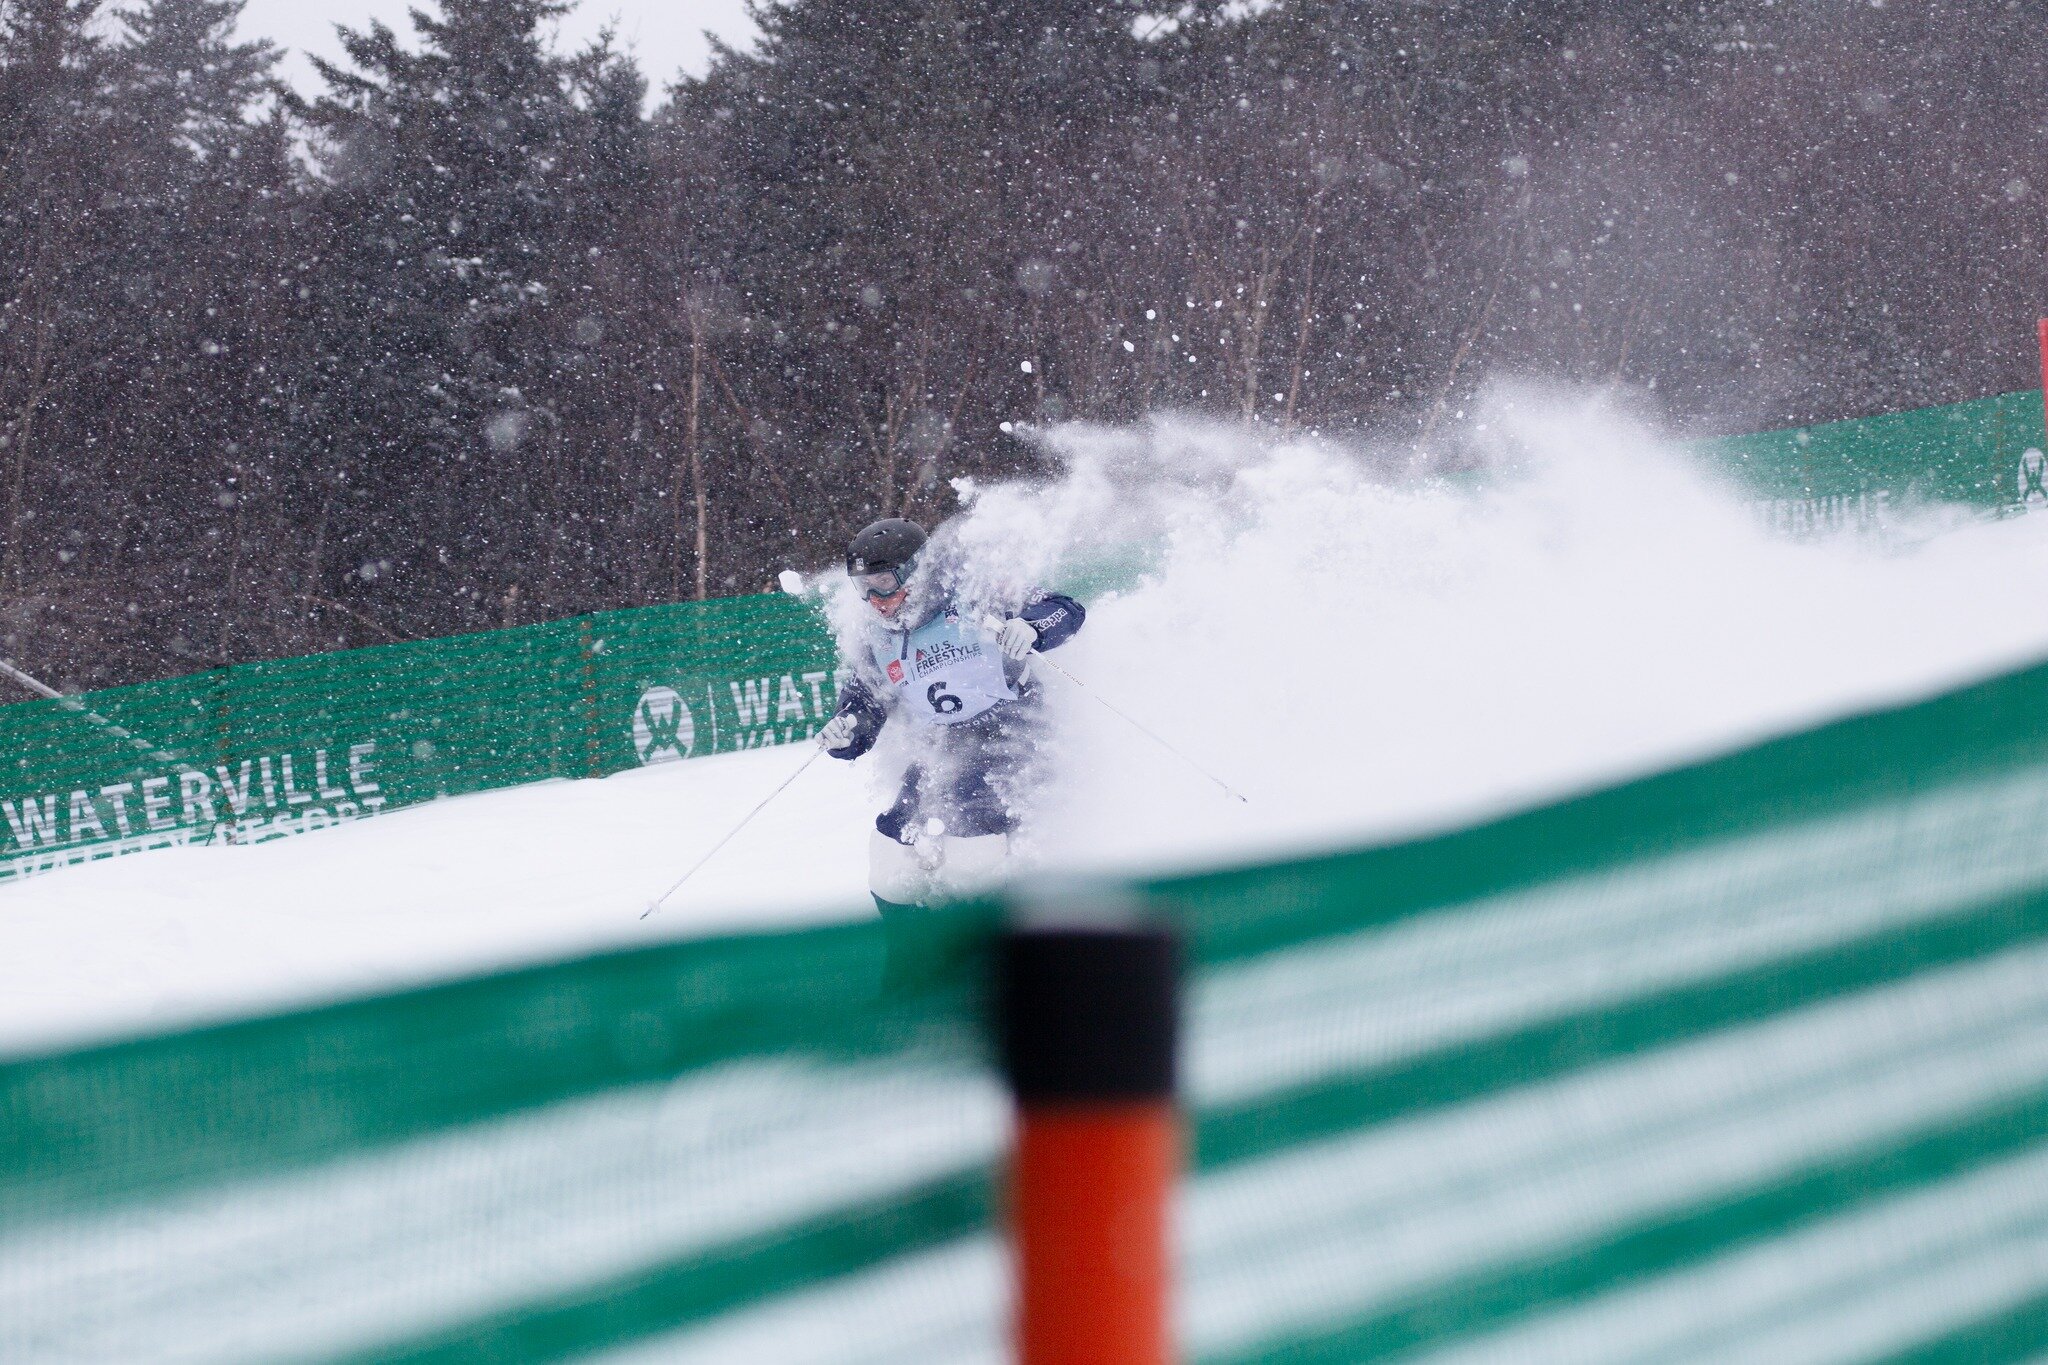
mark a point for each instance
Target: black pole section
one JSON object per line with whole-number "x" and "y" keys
{"x": 1089, "y": 1024}
{"x": 1089, "y": 1014}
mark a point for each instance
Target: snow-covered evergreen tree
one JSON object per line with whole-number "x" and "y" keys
{"x": 460, "y": 210}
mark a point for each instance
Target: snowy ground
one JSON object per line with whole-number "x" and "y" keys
{"x": 1364, "y": 658}
{"x": 479, "y": 881}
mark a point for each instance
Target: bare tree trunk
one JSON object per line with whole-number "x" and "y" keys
{"x": 1308, "y": 318}
{"x": 915, "y": 507}
{"x": 1257, "y": 327}
{"x": 1628, "y": 340}
{"x": 318, "y": 553}
{"x": 1443, "y": 394}
{"x": 24, "y": 438}
{"x": 1153, "y": 346}
{"x": 882, "y": 444}
{"x": 378, "y": 626}
{"x": 228, "y": 619}
{"x": 1037, "y": 364}
{"x": 675, "y": 539}
{"x": 697, "y": 453}
{"x": 746, "y": 420}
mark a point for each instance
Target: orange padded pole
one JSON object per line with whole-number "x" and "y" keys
{"x": 1091, "y": 1191}
{"x": 1089, "y": 1024}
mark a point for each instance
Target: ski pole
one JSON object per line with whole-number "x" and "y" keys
{"x": 655, "y": 904}
{"x": 90, "y": 717}
{"x": 1228, "y": 790}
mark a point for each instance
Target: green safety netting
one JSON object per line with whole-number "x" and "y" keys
{"x": 1742, "y": 1062}
{"x": 1984, "y": 454}
{"x": 265, "y": 749}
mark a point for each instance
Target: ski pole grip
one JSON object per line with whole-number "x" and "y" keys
{"x": 1089, "y": 1021}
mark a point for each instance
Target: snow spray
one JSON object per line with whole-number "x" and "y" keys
{"x": 1379, "y": 653}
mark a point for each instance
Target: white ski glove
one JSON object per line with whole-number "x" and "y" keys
{"x": 838, "y": 731}
{"x": 1017, "y": 638}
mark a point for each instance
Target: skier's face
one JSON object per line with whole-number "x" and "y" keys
{"x": 886, "y": 592}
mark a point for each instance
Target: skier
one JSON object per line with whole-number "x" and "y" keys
{"x": 958, "y": 671}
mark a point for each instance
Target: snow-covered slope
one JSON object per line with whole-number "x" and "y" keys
{"x": 1363, "y": 656}
{"x": 478, "y": 881}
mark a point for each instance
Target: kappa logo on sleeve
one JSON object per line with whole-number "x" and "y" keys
{"x": 895, "y": 670}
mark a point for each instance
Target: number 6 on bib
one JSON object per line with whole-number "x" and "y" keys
{"x": 948, "y": 670}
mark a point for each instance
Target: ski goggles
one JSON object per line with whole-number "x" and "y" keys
{"x": 881, "y": 585}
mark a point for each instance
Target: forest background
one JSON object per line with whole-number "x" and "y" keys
{"x": 480, "y": 335}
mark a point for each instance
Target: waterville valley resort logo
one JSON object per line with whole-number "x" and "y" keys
{"x": 257, "y": 798}
{"x": 663, "y": 727}
{"x": 295, "y": 791}
{"x": 728, "y": 714}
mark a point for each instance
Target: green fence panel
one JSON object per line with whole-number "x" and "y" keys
{"x": 1986, "y": 453}
{"x": 680, "y": 1126}
{"x": 394, "y": 725}
{"x": 266, "y": 749}
{"x": 716, "y": 677}
{"x": 102, "y": 773}
{"x": 1742, "y": 1061}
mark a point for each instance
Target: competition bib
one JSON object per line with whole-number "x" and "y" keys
{"x": 945, "y": 673}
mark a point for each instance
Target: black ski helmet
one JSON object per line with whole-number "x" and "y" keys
{"x": 889, "y": 546}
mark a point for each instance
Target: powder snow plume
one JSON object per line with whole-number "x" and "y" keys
{"x": 1366, "y": 655}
